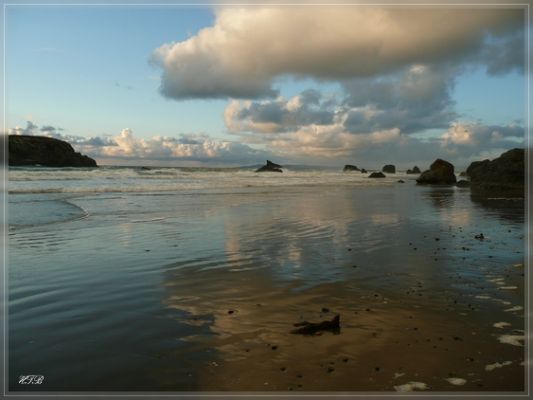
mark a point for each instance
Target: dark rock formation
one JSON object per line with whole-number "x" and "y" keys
{"x": 389, "y": 168}
{"x": 401, "y": 181}
{"x": 415, "y": 170}
{"x": 45, "y": 151}
{"x": 506, "y": 172}
{"x": 363, "y": 171}
{"x": 376, "y": 175}
{"x": 439, "y": 173}
{"x": 463, "y": 183}
{"x": 270, "y": 167}
{"x": 312, "y": 328}
{"x": 349, "y": 167}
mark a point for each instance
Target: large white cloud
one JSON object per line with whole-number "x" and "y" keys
{"x": 247, "y": 47}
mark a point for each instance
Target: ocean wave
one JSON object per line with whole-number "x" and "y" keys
{"x": 175, "y": 179}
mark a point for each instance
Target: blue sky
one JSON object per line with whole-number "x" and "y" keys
{"x": 93, "y": 71}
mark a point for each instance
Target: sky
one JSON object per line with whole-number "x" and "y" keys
{"x": 235, "y": 85}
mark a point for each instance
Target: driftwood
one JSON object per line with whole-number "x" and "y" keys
{"x": 311, "y": 328}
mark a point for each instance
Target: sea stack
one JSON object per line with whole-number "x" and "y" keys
{"x": 45, "y": 151}
{"x": 506, "y": 172}
{"x": 270, "y": 167}
{"x": 441, "y": 172}
{"x": 349, "y": 167}
{"x": 377, "y": 175}
{"x": 389, "y": 169}
{"x": 415, "y": 170}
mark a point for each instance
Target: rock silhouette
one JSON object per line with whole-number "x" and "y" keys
{"x": 270, "y": 167}
{"x": 45, "y": 151}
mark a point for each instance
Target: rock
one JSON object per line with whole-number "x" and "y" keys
{"x": 270, "y": 167}
{"x": 439, "y": 173}
{"x": 363, "y": 171}
{"x": 389, "y": 168}
{"x": 376, "y": 175}
{"x": 463, "y": 183}
{"x": 401, "y": 181}
{"x": 45, "y": 151}
{"x": 415, "y": 170}
{"x": 311, "y": 328}
{"x": 480, "y": 236}
{"x": 349, "y": 167}
{"x": 506, "y": 172}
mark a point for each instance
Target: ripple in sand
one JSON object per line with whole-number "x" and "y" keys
{"x": 456, "y": 381}
{"x": 501, "y": 324}
{"x": 491, "y": 367}
{"x": 411, "y": 386}
{"x": 514, "y": 340}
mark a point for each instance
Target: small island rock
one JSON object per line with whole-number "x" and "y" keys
{"x": 441, "y": 172}
{"x": 377, "y": 175}
{"x": 270, "y": 167}
{"x": 349, "y": 167}
{"x": 415, "y": 170}
{"x": 389, "y": 168}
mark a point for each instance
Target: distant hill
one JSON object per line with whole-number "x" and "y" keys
{"x": 45, "y": 151}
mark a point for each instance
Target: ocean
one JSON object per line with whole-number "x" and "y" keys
{"x": 190, "y": 279}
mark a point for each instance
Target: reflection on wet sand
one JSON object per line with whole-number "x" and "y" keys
{"x": 203, "y": 293}
{"x": 383, "y": 336}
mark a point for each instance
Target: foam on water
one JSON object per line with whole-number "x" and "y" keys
{"x": 411, "y": 386}
{"x": 513, "y": 340}
{"x": 456, "y": 381}
{"x": 133, "y": 179}
{"x": 501, "y": 325}
{"x": 515, "y": 308}
{"x": 492, "y": 367}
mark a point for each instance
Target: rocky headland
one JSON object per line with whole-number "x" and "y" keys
{"x": 44, "y": 151}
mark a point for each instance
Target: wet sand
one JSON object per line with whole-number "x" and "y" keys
{"x": 178, "y": 292}
{"x": 386, "y": 339}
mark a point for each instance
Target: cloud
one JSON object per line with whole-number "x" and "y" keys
{"x": 48, "y": 128}
{"x": 503, "y": 55}
{"x": 280, "y": 115}
{"x": 192, "y": 147}
{"x": 248, "y": 47}
{"x": 55, "y": 132}
{"x": 28, "y": 130}
{"x": 415, "y": 99}
{"x": 483, "y": 136}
